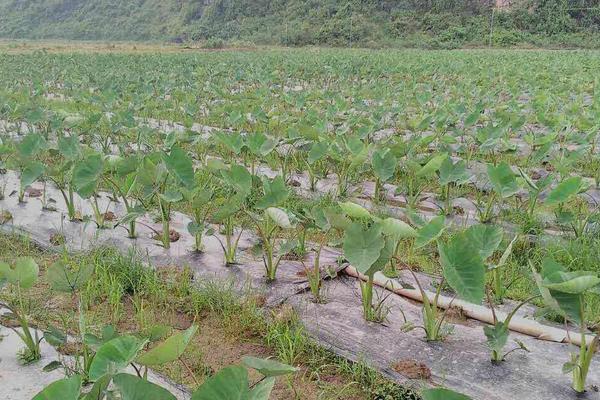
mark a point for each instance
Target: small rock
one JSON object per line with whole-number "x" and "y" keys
{"x": 109, "y": 216}
{"x": 173, "y": 235}
{"x": 33, "y": 192}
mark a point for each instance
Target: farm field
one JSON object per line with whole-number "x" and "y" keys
{"x": 384, "y": 224}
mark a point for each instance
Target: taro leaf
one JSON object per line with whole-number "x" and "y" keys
{"x": 485, "y": 238}
{"x": 133, "y": 388}
{"x": 503, "y": 179}
{"x": 336, "y": 219}
{"x": 279, "y": 216}
{"x": 317, "y": 152}
{"x": 463, "y": 268}
{"x": 233, "y": 141}
{"x": 385, "y": 256}
{"x": 54, "y": 336}
{"x": 238, "y": 178}
{"x": 262, "y": 391}
{"x": 114, "y": 355}
{"x": 362, "y": 247}
{"x": 64, "y": 279}
{"x": 565, "y": 190}
{"x": 64, "y": 389}
{"x": 568, "y": 367}
{"x": 24, "y": 274}
{"x": 171, "y": 196}
{"x": 268, "y": 367}
{"x": 317, "y": 213}
{"x": 180, "y": 165}
{"x": 355, "y": 211}
{"x": 233, "y": 205}
{"x": 433, "y": 165}
{"x": 384, "y": 164}
{"x": 230, "y": 383}
{"x": 275, "y": 193}
{"x": 195, "y": 228}
{"x": 442, "y": 394}
{"x": 30, "y": 145}
{"x": 86, "y": 175}
{"x": 69, "y": 147}
{"x": 108, "y": 333}
{"x": 397, "y": 229}
{"x": 169, "y": 350}
{"x": 497, "y": 336}
{"x": 566, "y": 304}
{"x": 32, "y": 171}
{"x": 98, "y": 390}
{"x": 453, "y": 173}
{"x": 52, "y": 365}
{"x": 572, "y": 282}
{"x": 158, "y": 332}
{"x": 431, "y": 231}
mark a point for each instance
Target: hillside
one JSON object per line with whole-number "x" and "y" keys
{"x": 409, "y": 23}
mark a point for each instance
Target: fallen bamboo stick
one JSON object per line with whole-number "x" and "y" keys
{"x": 476, "y": 312}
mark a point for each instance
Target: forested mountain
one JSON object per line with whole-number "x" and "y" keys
{"x": 413, "y": 23}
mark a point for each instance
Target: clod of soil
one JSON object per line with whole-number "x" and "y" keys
{"x": 32, "y": 192}
{"x": 412, "y": 369}
{"x": 173, "y": 235}
{"x": 109, "y": 216}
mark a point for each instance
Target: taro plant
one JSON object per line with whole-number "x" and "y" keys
{"x": 347, "y": 155}
{"x": 369, "y": 245}
{"x": 237, "y": 185}
{"x": 570, "y": 210}
{"x": 29, "y": 167}
{"x": 229, "y": 383}
{"x": 200, "y": 200}
{"x": 87, "y": 174}
{"x": 316, "y": 162}
{"x": 504, "y": 184}
{"x": 21, "y": 277}
{"x": 564, "y": 292}
{"x": 497, "y": 334}
{"x": 535, "y": 189}
{"x": 452, "y": 175}
{"x": 270, "y": 221}
{"x": 69, "y": 152}
{"x": 383, "y": 162}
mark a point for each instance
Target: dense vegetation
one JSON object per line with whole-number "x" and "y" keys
{"x": 407, "y": 23}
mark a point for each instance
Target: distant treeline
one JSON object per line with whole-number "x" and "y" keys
{"x": 376, "y": 23}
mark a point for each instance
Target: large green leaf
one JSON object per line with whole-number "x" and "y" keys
{"x": 503, "y": 179}
{"x": 275, "y": 193}
{"x": 355, "y": 211}
{"x": 262, "y": 391}
{"x": 64, "y": 389}
{"x": 86, "y": 174}
{"x": 24, "y": 274}
{"x": 238, "y": 178}
{"x": 65, "y": 279}
{"x": 397, "y": 229}
{"x": 268, "y": 367}
{"x": 99, "y": 388}
{"x": 180, "y": 165}
{"x": 133, "y": 388}
{"x": 431, "y": 231}
{"x": 114, "y": 355}
{"x": 31, "y": 172}
{"x": 362, "y": 247}
{"x": 572, "y": 282}
{"x": 69, "y": 147}
{"x": 30, "y": 145}
{"x": 279, "y": 216}
{"x": 442, "y": 394}
{"x": 318, "y": 151}
{"x": 230, "y": 383}
{"x": 485, "y": 238}
{"x": 169, "y": 350}
{"x": 463, "y": 268}
{"x": 453, "y": 172}
{"x": 565, "y": 190}
{"x": 384, "y": 164}
{"x": 432, "y": 166}
{"x": 566, "y": 304}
